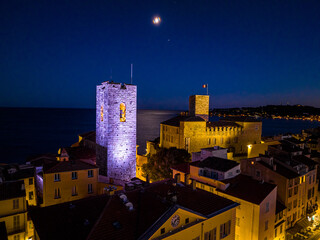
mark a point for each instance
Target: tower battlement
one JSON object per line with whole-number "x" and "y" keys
{"x": 199, "y": 106}
{"x": 116, "y": 117}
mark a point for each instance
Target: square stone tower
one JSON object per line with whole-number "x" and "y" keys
{"x": 116, "y": 124}
{"x": 199, "y": 106}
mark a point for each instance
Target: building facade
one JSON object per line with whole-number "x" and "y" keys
{"x": 194, "y": 132}
{"x": 66, "y": 181}
{"x": 255, "y": 215}
{"x": 13, "y": 211}
{"x": 116, "y": 109}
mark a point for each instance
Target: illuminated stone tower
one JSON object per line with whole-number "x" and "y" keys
{"x": 116, "y": 117}
{"x": 199, "y": 106}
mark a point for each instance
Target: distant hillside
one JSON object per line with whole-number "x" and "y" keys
{"x": 269, "y": 110}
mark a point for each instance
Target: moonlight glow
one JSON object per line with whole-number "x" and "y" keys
{"x": 156, "y": 20}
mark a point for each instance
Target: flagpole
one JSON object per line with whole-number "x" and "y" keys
{"x": 207, "y": 89}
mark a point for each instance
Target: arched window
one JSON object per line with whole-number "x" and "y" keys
{"x": 122, "y": 112}
{"x": 101, "y": 113}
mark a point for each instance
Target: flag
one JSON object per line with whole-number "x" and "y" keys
{"x": 205, "y": 85}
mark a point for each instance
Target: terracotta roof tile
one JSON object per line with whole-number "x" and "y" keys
{"x": 248, "y": 189}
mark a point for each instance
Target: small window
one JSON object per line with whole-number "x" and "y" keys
{"x": 31, "y": 195}
{"x": 266, "y": 225}
{"x": 16, "y": 223}
{"x": 90, "y": 173}
{"x": 74, "y": 175}
{"x": 30, "y": 181}
{"x": 57, "y": 177}
{"x": 267, "y": 207}
{"x": 74, "y": 191}
{"x": 15, "y": 203}
{"x": 258, "y": 173}
{"x": 57, "y": 193}
{"x": 90, "y": 189}
{"x": 187, "y": 221}
{"x": 101, "y": 113}
{"x": 122, "y": 112}
{"x": 163, "y": 230}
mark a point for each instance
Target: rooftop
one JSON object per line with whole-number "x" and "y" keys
{"x": 306, "y": 161}
{"x": 67, "y": 166}
{"x": 23, "y": 173}
{"x": 89, "y": 136}
{"x": 248, "y": 189}
{"x": 12, "y": 189}
{"x": 222, "y": 124}
{"x": 183, "y": 167}
{"x": 215, "y": 163}
{"x": 281, "y": 170}
{"x": 175, "y": 121}
{"x": 72, "y": 220}
{"x": 77, "y": 153}
{"x": 152, "y": 207}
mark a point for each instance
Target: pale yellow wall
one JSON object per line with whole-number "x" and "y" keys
{"x": 30, "y": 188}
{"x": 202, "y": 136}
{"x": 260, "y": 148}
{"x": 7, "y": 214}
{"x": 140, "y": 160}
{"x": 248, "y": 213}
{"x": 66, "y": 184}
{"x": 268, "y": 216}
{"x": 198, "y": 229}
{"x": 284, "y": 186}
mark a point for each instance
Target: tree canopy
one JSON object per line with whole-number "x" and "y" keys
{"x": 159, "y": 164}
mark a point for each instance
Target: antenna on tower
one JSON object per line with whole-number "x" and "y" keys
{"x": 131, "y": 71}
{"x": 110, "y": 73}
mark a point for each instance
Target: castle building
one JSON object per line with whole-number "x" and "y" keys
{"x": 116, "y": 116}
{"x": 194, "y": 132}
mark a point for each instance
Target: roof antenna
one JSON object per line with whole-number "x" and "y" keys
{"x": 131, "y": 71}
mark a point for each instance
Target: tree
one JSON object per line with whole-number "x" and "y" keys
{"x": 158, "y": 165}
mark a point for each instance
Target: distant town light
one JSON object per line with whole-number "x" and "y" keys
{"x": 249, "y": 146}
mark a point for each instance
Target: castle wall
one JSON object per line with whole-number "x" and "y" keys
{"x": 116, "y": 130}
{"x": 199, "y": 106}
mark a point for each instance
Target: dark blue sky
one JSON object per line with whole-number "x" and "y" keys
{"x": 251, "y": 53}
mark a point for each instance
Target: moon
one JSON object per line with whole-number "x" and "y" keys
{"x": 156, "y": 20}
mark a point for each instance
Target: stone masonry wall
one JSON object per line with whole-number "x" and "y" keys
{"x": 199, "y": 106}
{"x": 117, "y": 158}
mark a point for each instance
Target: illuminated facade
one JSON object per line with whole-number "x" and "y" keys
{"x": 194, "y": 132}
{"x": 116, "y": 130}
{"x": 255, "y": 216}
{"x": 13, "y": 211}
{"x": 296, "y": 181}
{"x": 66, "y": 181}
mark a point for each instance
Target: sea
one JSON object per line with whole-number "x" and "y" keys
{"x": 25, "y": 132}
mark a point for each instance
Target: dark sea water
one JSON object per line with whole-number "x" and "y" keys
{"x": 29, "y": 131}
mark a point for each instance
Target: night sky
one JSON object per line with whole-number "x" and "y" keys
{"x": 251, "y": 53}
